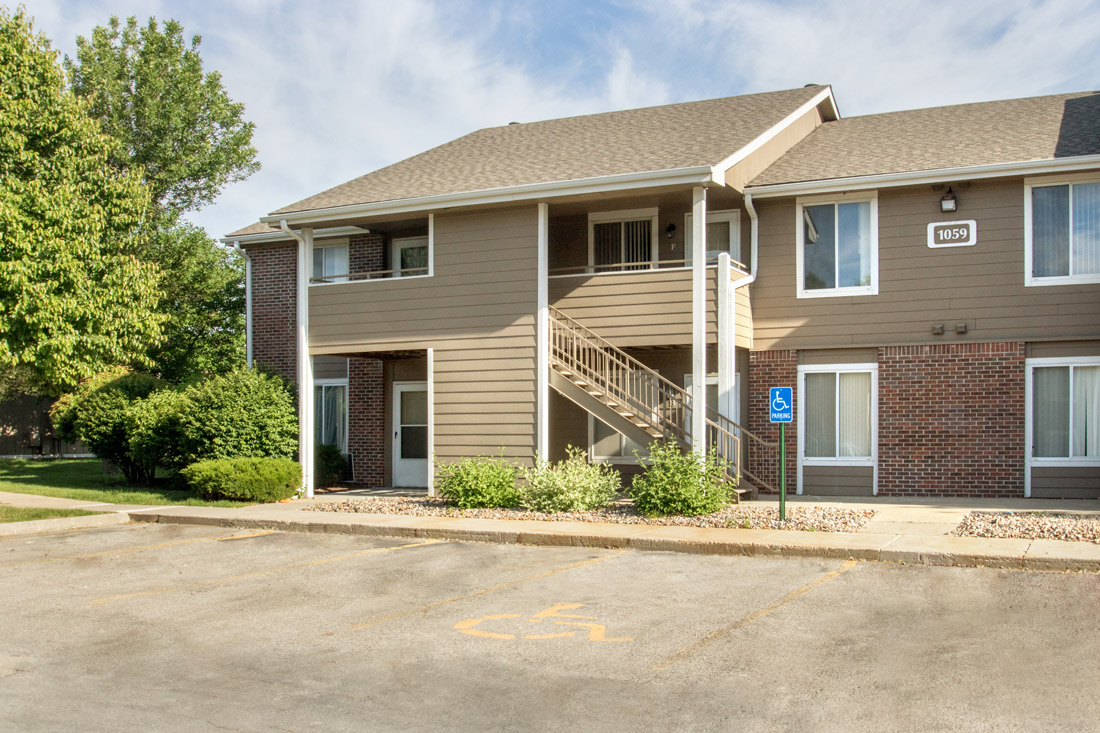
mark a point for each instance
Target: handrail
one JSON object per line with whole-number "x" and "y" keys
{"x": 370, "y": 275}
{"x": 643, "y": 266}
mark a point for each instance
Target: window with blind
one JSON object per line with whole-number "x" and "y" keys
{"x": 1065, "y": 409}
{"x": 621, "y": 240}
{"x": 330, "y": 263}
{"x": 1063, "y": 232}
{"x": 837, "y": 406}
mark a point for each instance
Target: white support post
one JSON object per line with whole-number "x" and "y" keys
{"x": 305, "y": 363}
{"x": 431, "y": 422}
{"x": 727, "y": 357}
{"x": 542, "y": 324}
{"x": 699, "y": 320}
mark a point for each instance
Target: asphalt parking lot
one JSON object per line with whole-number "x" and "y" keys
{"x": 162, "y": 627}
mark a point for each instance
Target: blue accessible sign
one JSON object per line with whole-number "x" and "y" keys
{"x": 781, "y": 402}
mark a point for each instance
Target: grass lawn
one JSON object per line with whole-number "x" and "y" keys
{"x": 82, "y": 478}
{"x": 22, "y": 514}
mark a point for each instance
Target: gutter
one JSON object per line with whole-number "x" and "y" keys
{"x": 247, "y": 302}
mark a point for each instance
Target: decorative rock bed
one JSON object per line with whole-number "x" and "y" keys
{"x": 738, "y": 516}
{"x": 1031, "y": 526}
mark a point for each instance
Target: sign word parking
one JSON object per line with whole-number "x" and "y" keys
{"x": 781, "y": 404}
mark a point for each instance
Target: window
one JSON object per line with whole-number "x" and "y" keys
{"x": 622, "y": 240}
{"x": 837, "y": 247}
{"x": 723, "y": 235}
{"x": 410, "y": 256}
{"x": 837, "y": 405}
{"x": 607, "y": 444}
{"x": 330, "y": 262}
{"x": 1064, "y": 402}
{"x": 1062, "y": 229}
{"x": 330, "y": 413}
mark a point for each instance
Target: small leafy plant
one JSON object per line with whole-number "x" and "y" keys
{"x": 680, "y": 482}
{"x": 570, "y": 485}
{"x": 479, "y": 481}
{"x": 244, "y": 479}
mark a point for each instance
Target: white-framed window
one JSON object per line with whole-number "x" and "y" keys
{"x": 410, "y": 256}
{"x": 723, "y": 235}
{"x": 837, "y": 245}
{"x": 622, "y": 240}
{"x": 330, "y": 413}
{"x": 712, "y": 398}
{"x": 607, "y": 444}
{"x": 837, "y": 414}
{"x": 330, "y": 261}
{"x": 1063, "y": 405}
{"x": 1062, "y": 230}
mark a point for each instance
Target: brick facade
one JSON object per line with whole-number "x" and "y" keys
{"x": 772, "y": 369}
{"x": 366, "y": 253}
{"x": 951, "y": 420}
{"x": 366, "y": 421}
{"x": 274, "y": 304}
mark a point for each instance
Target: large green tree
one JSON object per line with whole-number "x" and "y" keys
{"x": 174, "y": 121}
{"x": 74, "y": 297}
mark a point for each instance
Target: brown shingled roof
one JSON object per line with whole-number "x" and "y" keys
{"x": 632, "y": 141}
{"x": 1009, "y": 131}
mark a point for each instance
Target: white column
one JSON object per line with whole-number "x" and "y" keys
{"x": 727, "y": 359}
{"x": 542, "y": 324}
{"x": 431, "y": 422}
{"x": 305, "y": 363}
{"x": 699, "y": 320}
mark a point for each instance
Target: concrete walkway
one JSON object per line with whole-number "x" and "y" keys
{"x": 903, "y": 530}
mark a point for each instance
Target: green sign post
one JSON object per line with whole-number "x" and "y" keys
{"x": 781, "y": 404}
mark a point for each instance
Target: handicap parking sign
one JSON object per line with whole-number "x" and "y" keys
{"x": 781, "y": 403}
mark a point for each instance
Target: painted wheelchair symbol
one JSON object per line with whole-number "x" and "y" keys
{"x": 596, "y": 632}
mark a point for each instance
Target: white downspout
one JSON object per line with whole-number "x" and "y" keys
{"x": 305, "y": 361}
{"x": 247, "y": 303}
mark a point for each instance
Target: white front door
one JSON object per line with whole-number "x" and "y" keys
{"x": 410, "y": 434}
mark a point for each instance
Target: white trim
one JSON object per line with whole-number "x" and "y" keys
{"x": 680, "y": 268}
{"x": 399, "y": 243}
{"x": 280, "y": 236}
{"x": 733, "y": 216}
{"x": 771, "y": 132}
{"x": 431, "y": 245}
{"x": 346, "y": 384}
{"x": 431, "y": 422}
{"x": 835, "y": 292}
{"x": 542, "y": 326}
{"x": 1031, "y": 461}
{"x": 700, "y": 175}
{"x": 698, "y": 432}
{"x": 838, "y": 369}
{"x": 933, "y": 175}
{"x": 1044, "y": 182}
{"x": 621, "y": 217}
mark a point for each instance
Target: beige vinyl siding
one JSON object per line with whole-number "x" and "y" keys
{"x": 982, "y": 285}
{"x": 1068, "y": 482}
{"x": 838, "y": 480}
{"x": 769, "y": 152}
{"x": 645, "y": 308}
{"x": 1052, "y": 349}
{"x": 477, "y": 312}
{"x": 330, "y": 367}
{"x": 743, "y": 317}
{"x": 838, "y": 356}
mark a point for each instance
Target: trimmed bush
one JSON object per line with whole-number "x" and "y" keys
{"x": 570, "y": 485}
{"x": 244, "y": 479}
{"x": 330, "y": 467}
{"x": 679, "y": 482}
{"x": 243, "y": 414}
{"x": 153, "y": 429}
{"x": 479, "y": 481}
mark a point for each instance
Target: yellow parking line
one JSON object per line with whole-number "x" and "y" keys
{"x": 483, "y": 591}
{"x": 754, "y": 616}
{"x": 261, "y": 573}
{"x": 138, "y": 549}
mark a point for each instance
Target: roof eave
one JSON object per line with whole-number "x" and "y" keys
{"x": 915, "y": 178}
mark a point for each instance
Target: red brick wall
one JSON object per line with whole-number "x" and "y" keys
{"x": 769, "y": 369}
{"x": 366, "y": 423}
{"x": 274, "y": 303}
{"x": 951, "y": 420}
{"x": 366, "y": 253}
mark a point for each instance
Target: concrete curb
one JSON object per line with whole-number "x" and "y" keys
{"x": 971, "y": 552}
{"x": 60, "y": 524}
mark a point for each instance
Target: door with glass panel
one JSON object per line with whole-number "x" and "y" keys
{"x": 410, "y": 434}
{"x": 410, "y": 256}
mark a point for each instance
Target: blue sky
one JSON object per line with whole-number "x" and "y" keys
{"x": 338, "y": 89}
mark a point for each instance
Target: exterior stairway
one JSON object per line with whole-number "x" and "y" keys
{"x": 631, "y": 398}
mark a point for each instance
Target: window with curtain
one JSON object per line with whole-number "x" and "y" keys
{"x": 838, "y": 414}
{"x": 330, "y": 415}
{"x": 330, "y": 263}
{"x": 836, "y": 248}
{"x": 1065, "y": 411}
{"x": 1065, "y": 231}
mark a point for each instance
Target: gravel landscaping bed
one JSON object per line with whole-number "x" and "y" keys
{"x": 1030, "y": 526}
{"x": 740, "y": 516}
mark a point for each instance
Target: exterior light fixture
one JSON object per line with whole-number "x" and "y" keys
{"x": 670, "y": 230}
{"x": 948, "y": 202}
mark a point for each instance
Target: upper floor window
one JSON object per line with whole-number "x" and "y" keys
{"x": 723, "y": 235}
{"x": 330, "y": 262}
{"x": 409, "y": 256}
{"x": 622, "y": 240}
{"x": 837, "y": 247}
{"x": 1062, "y": 229}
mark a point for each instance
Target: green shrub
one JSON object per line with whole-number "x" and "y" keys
{"x": 244, "y": 479}
{"x": 330, "y": 467}
{"x": 679, "y": 482}
{"x": 570, "y": 485}
{"x": 153, "y": 429}
{"x": 479, "y": 481}
{"x": 242, "y": 414}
